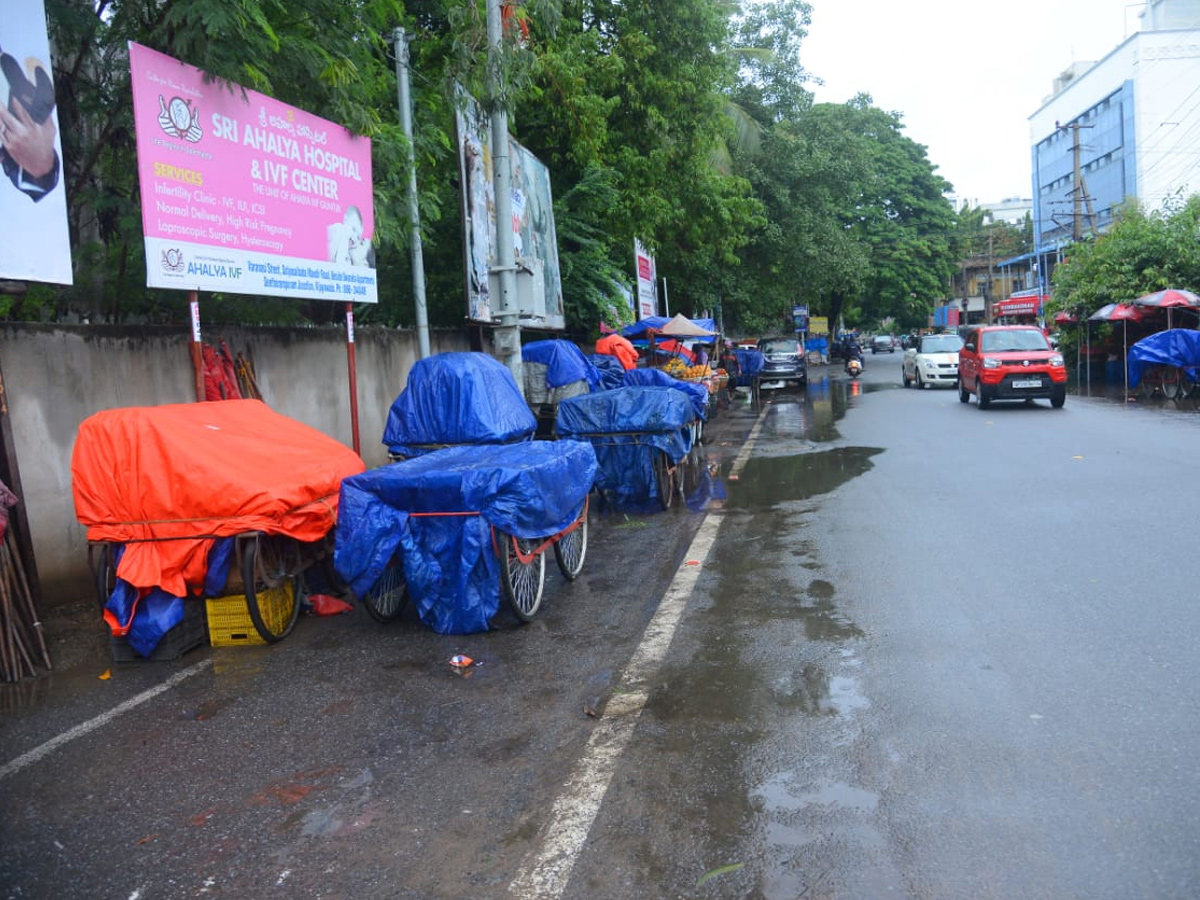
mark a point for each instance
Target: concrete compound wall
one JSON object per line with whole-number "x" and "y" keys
{"x": 55, "y": 376}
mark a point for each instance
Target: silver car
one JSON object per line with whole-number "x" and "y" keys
{"x": 933, "y": 361}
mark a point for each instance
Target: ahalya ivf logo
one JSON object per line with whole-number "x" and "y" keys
{"x": 179, "y": 120}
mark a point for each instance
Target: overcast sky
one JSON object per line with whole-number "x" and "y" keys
{"x": 965, "y": 75}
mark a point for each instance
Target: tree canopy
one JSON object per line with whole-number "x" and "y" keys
{"x": 685, "y": 124}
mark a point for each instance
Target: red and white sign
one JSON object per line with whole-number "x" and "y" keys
{"x": 647, "y": 282}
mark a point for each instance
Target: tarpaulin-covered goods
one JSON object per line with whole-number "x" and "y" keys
{"x": 438, "y": 510}
{"x": 625, "y": 425}
{"x": 457, "y": 398}
{"x": 1178, "y": 347}
{"x": 696, "y": 393}
{"x": 564, "y": 362}
{"x": 168, "y": 480}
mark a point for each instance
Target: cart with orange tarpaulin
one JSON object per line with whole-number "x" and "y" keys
{"x": 195, "y": 500}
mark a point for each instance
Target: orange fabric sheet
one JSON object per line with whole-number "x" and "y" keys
{"x": 167, "y": 480}
{"x": 621, "y": 348}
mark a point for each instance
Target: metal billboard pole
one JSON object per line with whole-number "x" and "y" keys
{"x": 414, "y": 215}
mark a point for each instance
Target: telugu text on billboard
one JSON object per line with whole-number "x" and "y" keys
{"x": 35, "y": 243}
{"x": 244, "y": 194}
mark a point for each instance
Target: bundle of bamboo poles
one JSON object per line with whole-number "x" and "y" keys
{"x": 22, "y": 645}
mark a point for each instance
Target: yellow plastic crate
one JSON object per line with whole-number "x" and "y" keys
{"x": 229, "y": 623}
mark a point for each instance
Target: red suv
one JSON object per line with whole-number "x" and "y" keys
{"x": 1010, "y": 362}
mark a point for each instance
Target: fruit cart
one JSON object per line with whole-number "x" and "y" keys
{"x": 453, "y": 528}
{"x": 212, "y": 499}
{"x": 642, "y": 434}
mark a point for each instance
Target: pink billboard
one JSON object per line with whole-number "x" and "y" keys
{"x": 245, "y": 194}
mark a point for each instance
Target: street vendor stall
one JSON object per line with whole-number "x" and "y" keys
{"x": 204, "y": 499}
{"x": 555, "y": 370}
{"x": 462, "y": 523}
{"x": 641, "y": 435}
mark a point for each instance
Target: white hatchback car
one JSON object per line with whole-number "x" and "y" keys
{"x": 933, "y": 361}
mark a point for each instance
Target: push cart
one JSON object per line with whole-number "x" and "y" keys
{"x": 641, "y": 435}
{"x": 555, "y": 370}
{"x": 1166, "y": 364}
{"x": 206, "y": 499}
{"x": 454, "y": 528}
{"x": 456, "y": 399}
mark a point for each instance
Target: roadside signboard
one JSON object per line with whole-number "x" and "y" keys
{"x": 35, "y": 243}
{"x": 244, "y": 194}
{"x": 647, "y": 282}
{"x": 818, "y": 325}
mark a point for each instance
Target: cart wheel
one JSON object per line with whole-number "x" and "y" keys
{"x": 1172, "y": 382}
{"x": 571, "y": 548}
{"x": 269, "y": 570}
{"x": 664, "y": 478}
{"x": 756, "y": 395}
{"x": 105, "y": 572}
{"x": 389, "y": 595}
{"x": 1187, "y": 382}
{"x": 522, "y": 575}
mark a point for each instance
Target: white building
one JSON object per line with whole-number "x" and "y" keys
{"x": 1126, "y": 127}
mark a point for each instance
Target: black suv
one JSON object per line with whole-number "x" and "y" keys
{"x": 783, "y": 360}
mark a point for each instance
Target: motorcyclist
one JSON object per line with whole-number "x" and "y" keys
{"x": 854, "y": 350}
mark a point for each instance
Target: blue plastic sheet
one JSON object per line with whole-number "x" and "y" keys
{"x": 612, "y": 373}
{"x": 655, "y": 323}
{"x": 625, "y": 425}
{"x": 696, "y": 393}
{"x": 457, "y": 398}
{"x": 750, "y": 360}
{"x": 530, "y": 490}
{"x": 564, "y": 361}
{"x": 1174, "y": 347}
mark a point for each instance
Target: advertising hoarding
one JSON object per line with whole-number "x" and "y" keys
{"x": 244, "y": 194}
{"x": 35, "y": 243}
{"x": 535, "y": 243}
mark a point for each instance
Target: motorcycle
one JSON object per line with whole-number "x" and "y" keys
{"x": 854, "y": 367}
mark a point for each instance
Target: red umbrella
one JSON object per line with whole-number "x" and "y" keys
{"x": 1123, "y": 313}
{"x": 1169, "y": 299}
{"x": 1062, "y": 317}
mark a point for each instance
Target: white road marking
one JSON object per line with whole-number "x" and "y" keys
{"x": 545, "y": 875}
{"x": 99, "y": 721}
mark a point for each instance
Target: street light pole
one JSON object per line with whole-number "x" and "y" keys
{"x": 414, "y": 215}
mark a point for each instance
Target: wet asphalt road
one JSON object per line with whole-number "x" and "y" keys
{"x": 897, "y": 647}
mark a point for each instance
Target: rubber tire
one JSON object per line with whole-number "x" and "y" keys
{"x": 904, "y": 379}
{"x": 388, "y": 597}
{"x": 664, "y": 478}
{"x": 1058, "y": 398}
{"x": 571, "y": 549}
{"x": 275, "y": 606}
{"x": 920, "y": 381}
{"x": 523, "y": 583}
{"x": 1171, "y": 384}
{"x": 984, "y": 400}
{"x": 964, "y": 396}
{"x": 106, "y": 572}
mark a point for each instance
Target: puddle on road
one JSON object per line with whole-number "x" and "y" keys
{"x": 766, "y": 481}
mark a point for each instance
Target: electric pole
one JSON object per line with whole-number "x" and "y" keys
{"x": 1079, "y": 191}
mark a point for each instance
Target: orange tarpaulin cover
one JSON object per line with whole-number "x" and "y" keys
{"x": 167, "y": 480}
{"x": 620, "y": 347}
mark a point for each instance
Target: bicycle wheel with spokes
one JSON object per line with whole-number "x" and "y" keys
{"x": 571, "y": 549}
{"x": 105, "y": 571}
{"x": 270, "y": 572}
{"x": 387, "y": 598}
{"x": 1188, "y": 380}
{"x": 1172, "y": 382}
{"x": 664, "y": 477}
{"x": 522, "y": 574}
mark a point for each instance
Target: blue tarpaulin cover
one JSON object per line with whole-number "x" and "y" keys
{"x": 457, "y": 398}
{"x": 624, "y": 425}
{"x": 531, "y": 490}
{"x": 656, "y": 323}
{"x": 612, "y": 373}
{"x": 750, "y": 360}
{"x": 1174, "y": 347}
{"x": 696, "y": 393}
{"x": 564, "y": 362}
